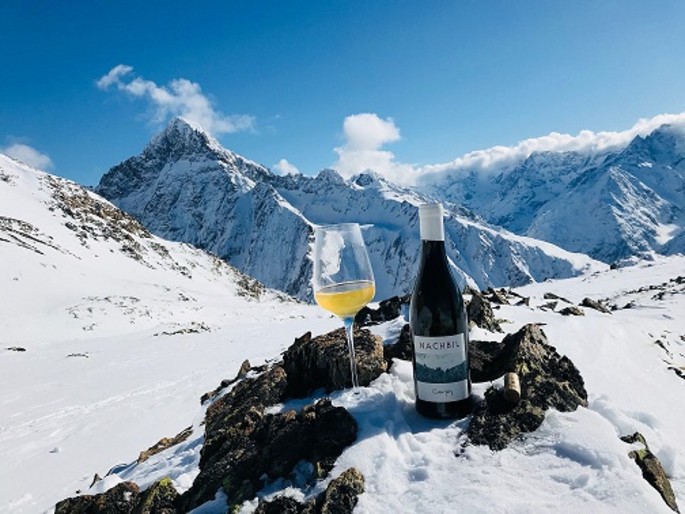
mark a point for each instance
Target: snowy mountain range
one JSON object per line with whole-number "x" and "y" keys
{"x": 184, "y": 186}
{"x": 609, "y": 205}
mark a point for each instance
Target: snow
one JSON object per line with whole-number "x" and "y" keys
{"x": 126, "y": 385}
{"x": 575, "y": 462}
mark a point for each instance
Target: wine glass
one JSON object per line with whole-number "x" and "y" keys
{"x": 343, "y": 280}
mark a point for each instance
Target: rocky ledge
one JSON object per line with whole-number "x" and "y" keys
{"x": 246, "y": 446}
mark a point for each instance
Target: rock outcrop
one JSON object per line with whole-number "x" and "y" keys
{"x": 480, "y": 312}
{"x": 594, "y": 304}
{"x": 548, "y": 380}
{"x": 268, "y": 446}
{"x": 120, "y": 499}
{"x": 572, "y": 310}
{"x": 245, "y": 446}
{"x": 652, "y": 470}
{"x": 164, "y": 443}
{"x": 249, "y": 444}
{"x": 387, "y": 310}
{"x": 340, "y": 497}
{"x": 324, "y": 362}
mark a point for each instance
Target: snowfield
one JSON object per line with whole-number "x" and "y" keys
{"x": 122, "y": 339}
{"x": 575, "y": 462}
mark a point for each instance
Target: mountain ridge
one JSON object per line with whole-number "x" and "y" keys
{"x": 636, "y": 193}
{"x": 234, "y": 208}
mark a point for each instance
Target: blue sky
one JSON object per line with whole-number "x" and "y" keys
{"x": 283, "y": 80}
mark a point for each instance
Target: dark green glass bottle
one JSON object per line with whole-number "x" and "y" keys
{"x": 440, "y": 329}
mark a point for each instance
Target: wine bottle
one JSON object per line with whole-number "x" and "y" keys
{"x": 440, "y": 329}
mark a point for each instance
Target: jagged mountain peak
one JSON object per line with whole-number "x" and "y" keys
{"x": 665, "y": 141}
{"x": 330, "y": 175}
{"x": 368, "y": 178}
{"x": 182, "y": 153}
{"x": 610, "y": 204}
{"x": 185, "y": 138}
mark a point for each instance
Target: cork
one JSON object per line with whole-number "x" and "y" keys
{"x": 512, "y": 388}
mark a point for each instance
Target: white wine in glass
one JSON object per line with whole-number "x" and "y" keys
{"x": 343, "y": 279}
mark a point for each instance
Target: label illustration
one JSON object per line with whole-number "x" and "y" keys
{"x": 441, "y": 368}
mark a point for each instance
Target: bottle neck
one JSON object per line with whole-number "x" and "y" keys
{"x": 431, "y": 226}
{"x": 433, "y": 252}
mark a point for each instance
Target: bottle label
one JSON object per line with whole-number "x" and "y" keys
{"x": 441, "y": 368}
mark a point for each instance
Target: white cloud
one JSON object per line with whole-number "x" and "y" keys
{"x": 365, "y": 134}
{"x": 114, "y": 76}
{"x": 586, "y": 141}
{"x": 181, "y": 97}
{"x": 28, "y": 155}
{"x": 369, "y": 132}
{"x": 283, "y": 167}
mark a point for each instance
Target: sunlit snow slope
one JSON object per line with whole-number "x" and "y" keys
{"x": 122, "y": 333}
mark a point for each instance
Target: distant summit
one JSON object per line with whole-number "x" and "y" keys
{"x": 181, "y": 137}
{"x": 612, "y": 205}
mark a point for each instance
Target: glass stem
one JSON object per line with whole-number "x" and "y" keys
{"x": 349, "y": 332}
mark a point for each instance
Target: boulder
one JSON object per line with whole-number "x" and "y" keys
{"x": 594, "y": 304}
{"x": 387, "y": 310}
{"x": 547, "y": 379}
{"x": 230, "y": 418}
{"x": 480, "y": 312}
{"x": 340, "y": 497}
{"x": 572, "y": 310}
{"x": 549, "y": 306}
{"x": 120, "y": 499}
{"x": 487, "y": 361}
{"x": 280, "y": 505}
{"x": 125, "y": 498}
{"x": 324, "y": 361}
{"x": 652, "y": 470}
